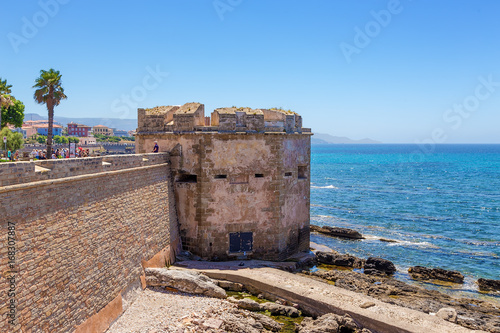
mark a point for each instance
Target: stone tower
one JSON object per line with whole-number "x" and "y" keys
{"x": 241, "y": 178}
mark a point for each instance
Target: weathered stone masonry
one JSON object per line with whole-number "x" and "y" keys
{"x": 83, "y": 229}
{"x": 241, "y": 184}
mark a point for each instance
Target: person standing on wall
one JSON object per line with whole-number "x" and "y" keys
{"x": 155, "y": 149}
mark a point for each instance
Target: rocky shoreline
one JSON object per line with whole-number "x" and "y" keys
{"x": 373, "y": 277}
{"x": 187, "y": 301}
{"x": 416, "y": 272}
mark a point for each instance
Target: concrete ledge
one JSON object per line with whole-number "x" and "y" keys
{"x": 320, "y": 298}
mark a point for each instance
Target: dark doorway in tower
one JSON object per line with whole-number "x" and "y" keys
{"x": 240, "y": 242}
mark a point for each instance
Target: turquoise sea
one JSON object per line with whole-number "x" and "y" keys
{"x": 440, "y": 203}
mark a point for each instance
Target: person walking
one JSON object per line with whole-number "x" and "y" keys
{"x": 155, "y": 148}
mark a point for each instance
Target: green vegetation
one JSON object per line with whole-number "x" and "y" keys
{"x": 5, "y": 100}
{"x": 12, "y": 110}
{"x": 60, "y": 139}
{"x": 14, "y": 140}
{"x": 288, "y": 322}
{"x": 13, "y": 114}
{"x": 49, "y": 91}
{"x": 105, "y": 138}
{"x": 41, "y": 139}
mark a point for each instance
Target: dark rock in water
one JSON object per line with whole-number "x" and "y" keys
{"x": 375, "y": 265}
{"x": 335, "y": 258}
{"x": 388, "y": 240}
{"x": 337, "y": 232}
{"x": 488, "y": 285}
{"x": 423, "y": 273}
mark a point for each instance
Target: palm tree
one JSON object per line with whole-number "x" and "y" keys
{"x": 5, "y": 99}
{"x": 50, "y": 92}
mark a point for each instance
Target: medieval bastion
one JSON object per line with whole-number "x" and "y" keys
{"x": 241, "y": 178}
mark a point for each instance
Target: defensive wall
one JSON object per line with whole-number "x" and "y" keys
{"x": 84, "y": 230}
{"x": 241, "y": 178}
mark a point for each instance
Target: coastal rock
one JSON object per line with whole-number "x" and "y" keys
{"x": 228, "y": 285}
{"x": 329, "y": 323}
{"x": 278, "y": 309}
{"x": 488, "y": 285}
{"x": 239, "y": 320}
{"x": 335, "y": 258}
{"x": 268, "y": 323}
{"x": 337, "y": 232}
{"x": 471, "y": 313}
{"x": 374, "y": 265}
{"x": 367, "y": 305}
{"x": 449, "y": 314}
{"x": 185, "y": 281}
{"x": 423, "y": 273}
{"x": 386, "y": 240}
{"x": 248, "y": 304}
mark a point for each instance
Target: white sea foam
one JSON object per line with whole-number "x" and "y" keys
{"x": 328, "y": 186}
{"x": 417, "y": 244}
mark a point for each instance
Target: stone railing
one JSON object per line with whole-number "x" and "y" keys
{"x": 25, "y": 172}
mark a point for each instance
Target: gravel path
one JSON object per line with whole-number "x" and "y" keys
{"x": 156, "y": 310}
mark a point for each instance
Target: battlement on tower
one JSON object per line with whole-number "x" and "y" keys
{"x": 190, "y": 118}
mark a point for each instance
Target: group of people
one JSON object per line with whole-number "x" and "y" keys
{"x": 42, "y": 154}
{"x": 58, "y": 153}
{"x": 12, "y": 156}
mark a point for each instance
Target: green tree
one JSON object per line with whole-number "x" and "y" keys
{"x": 64, "y": 139}
{"x": 49, "y": 91}
{"x": 57, "y": 139}
{"x": 41, "y": 139}
{"x": 73, "y": 139}
{"x": 13, "y": 114}
{"x": 5, "y": 99}
{"x": 14, "y": 140}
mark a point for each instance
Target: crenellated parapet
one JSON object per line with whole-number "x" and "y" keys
{"x": 190, "y": 117}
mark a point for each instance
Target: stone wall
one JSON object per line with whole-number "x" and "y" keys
{"x": 84, "y": 230}
{"x": 228, "y": 183}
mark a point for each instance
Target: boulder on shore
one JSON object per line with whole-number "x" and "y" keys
{"x": 488, "y": 285}
{"x": 280, "y": 310}
{"x": 329, "y": 323}
{"x": 336, "y": 232}
{"x": 449, "y": 314}
{"x": 185, "y": 281}
{"x": 337, "y": 259}
{"x": 424, "y": 273}
{"x": 375, "y": 266}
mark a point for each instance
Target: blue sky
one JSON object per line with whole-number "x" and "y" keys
{"x": 394, "y": 71}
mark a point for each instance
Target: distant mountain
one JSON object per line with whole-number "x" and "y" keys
{"x": 321, "y": 139}
{"x": 121, "y": 124}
